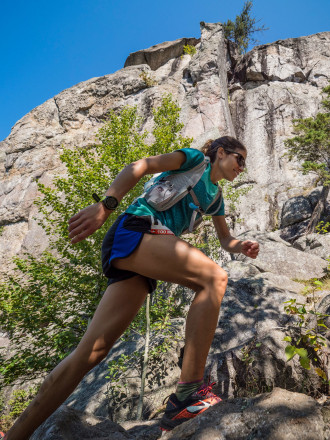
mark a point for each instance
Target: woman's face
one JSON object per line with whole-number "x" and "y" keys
{"x": 231, "y": 163}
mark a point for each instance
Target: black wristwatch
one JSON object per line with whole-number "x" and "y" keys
{"x": 109, "y": 202}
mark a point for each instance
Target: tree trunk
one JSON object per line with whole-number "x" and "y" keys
{"x": 318, "y": 210}
{"x": 145, "y": 361}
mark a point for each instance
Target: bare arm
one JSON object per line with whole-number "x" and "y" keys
{"x": 133, "y": 172}
{"x": 232, "y": 244}
{"x": 91, "y": 218}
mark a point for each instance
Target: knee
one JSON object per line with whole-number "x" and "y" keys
{"x": 218, "y": 282}
{"x": 96, "y": 356}
{"x": 86, "y": 359}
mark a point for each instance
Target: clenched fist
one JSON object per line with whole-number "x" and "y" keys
{"x": 250, "y": 248}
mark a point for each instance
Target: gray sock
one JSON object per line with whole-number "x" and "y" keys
{"x": 184, "y": 389}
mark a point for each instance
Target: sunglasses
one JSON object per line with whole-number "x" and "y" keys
{"x": 240, "y": 159}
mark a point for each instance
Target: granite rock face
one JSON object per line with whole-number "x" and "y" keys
{"x": 268, "y": 87}
{"x": 290, "y": 60}
{"x": 158, "y": 55}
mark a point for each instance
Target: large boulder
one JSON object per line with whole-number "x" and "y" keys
{"x": 279, "y": 415}
{"x": 296, "y": 210}
{"x": 279, "y": 257}
{"x": 158, "y": 55}
{"x": 248, "y": 350}
{"x": 316, "y": 244}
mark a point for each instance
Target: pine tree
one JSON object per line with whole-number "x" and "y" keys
{"x": 241, "y": 30}
{"x": 312, "y": 146}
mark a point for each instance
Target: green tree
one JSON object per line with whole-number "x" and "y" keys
{"x": 48, "y": 302}
{"x": 312, "y": 146}
{"x": 241, "y": 30}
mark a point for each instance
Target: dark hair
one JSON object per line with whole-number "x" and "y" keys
{"x": 210, "y": 148}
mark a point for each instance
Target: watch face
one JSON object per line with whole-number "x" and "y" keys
{"x": 110, "y": 202}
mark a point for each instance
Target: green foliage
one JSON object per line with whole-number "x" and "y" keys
{"x": 19, "y": 400}
{"x": 250, "y": 382}
{"x": 46, "y": 306}
{"x": 189, "y": 50}
{"x": 2, "y": 228}
{"x": 48, "y": 302}
{"x": 242, "y": 29}
{"x": 166, "y": 129}
{"x": 310, "y": 341}
{"x": 312, "y": 142}
{"x": 148, "y": 79}
{"x": 323, "y": 227}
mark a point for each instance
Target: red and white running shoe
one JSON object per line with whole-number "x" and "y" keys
{"x": 177, "y": 412}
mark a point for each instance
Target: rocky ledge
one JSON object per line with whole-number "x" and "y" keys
{"x": 277, "y": 415}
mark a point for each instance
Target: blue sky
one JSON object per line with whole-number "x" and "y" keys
{"x": 48, "y": 46}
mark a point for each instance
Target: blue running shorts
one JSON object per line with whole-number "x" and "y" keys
{"x": 122, "y": 239}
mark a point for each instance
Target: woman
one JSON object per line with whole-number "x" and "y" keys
{"x": 143, "y": 246}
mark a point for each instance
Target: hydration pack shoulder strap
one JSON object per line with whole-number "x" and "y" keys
{"x": 161, "y": 193}
{"x": 197, "y": 209}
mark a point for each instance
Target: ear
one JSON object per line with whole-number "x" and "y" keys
{"x": 220, "y": 152}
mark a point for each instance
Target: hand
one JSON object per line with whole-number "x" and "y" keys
{"x": 250, "y": 248}
{"x": 87, "y": 221}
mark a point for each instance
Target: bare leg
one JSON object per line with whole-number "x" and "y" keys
{"x": 163, "y": 258}
{"x": 201, "y": 323}
{"x": 172, "y": 259}
{"x": 116, "y": 310}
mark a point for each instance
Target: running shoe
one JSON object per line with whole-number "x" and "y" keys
{"x": 177, "y": 412}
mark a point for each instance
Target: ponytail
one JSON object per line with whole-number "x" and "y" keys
{"x": 210, "y": 148}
